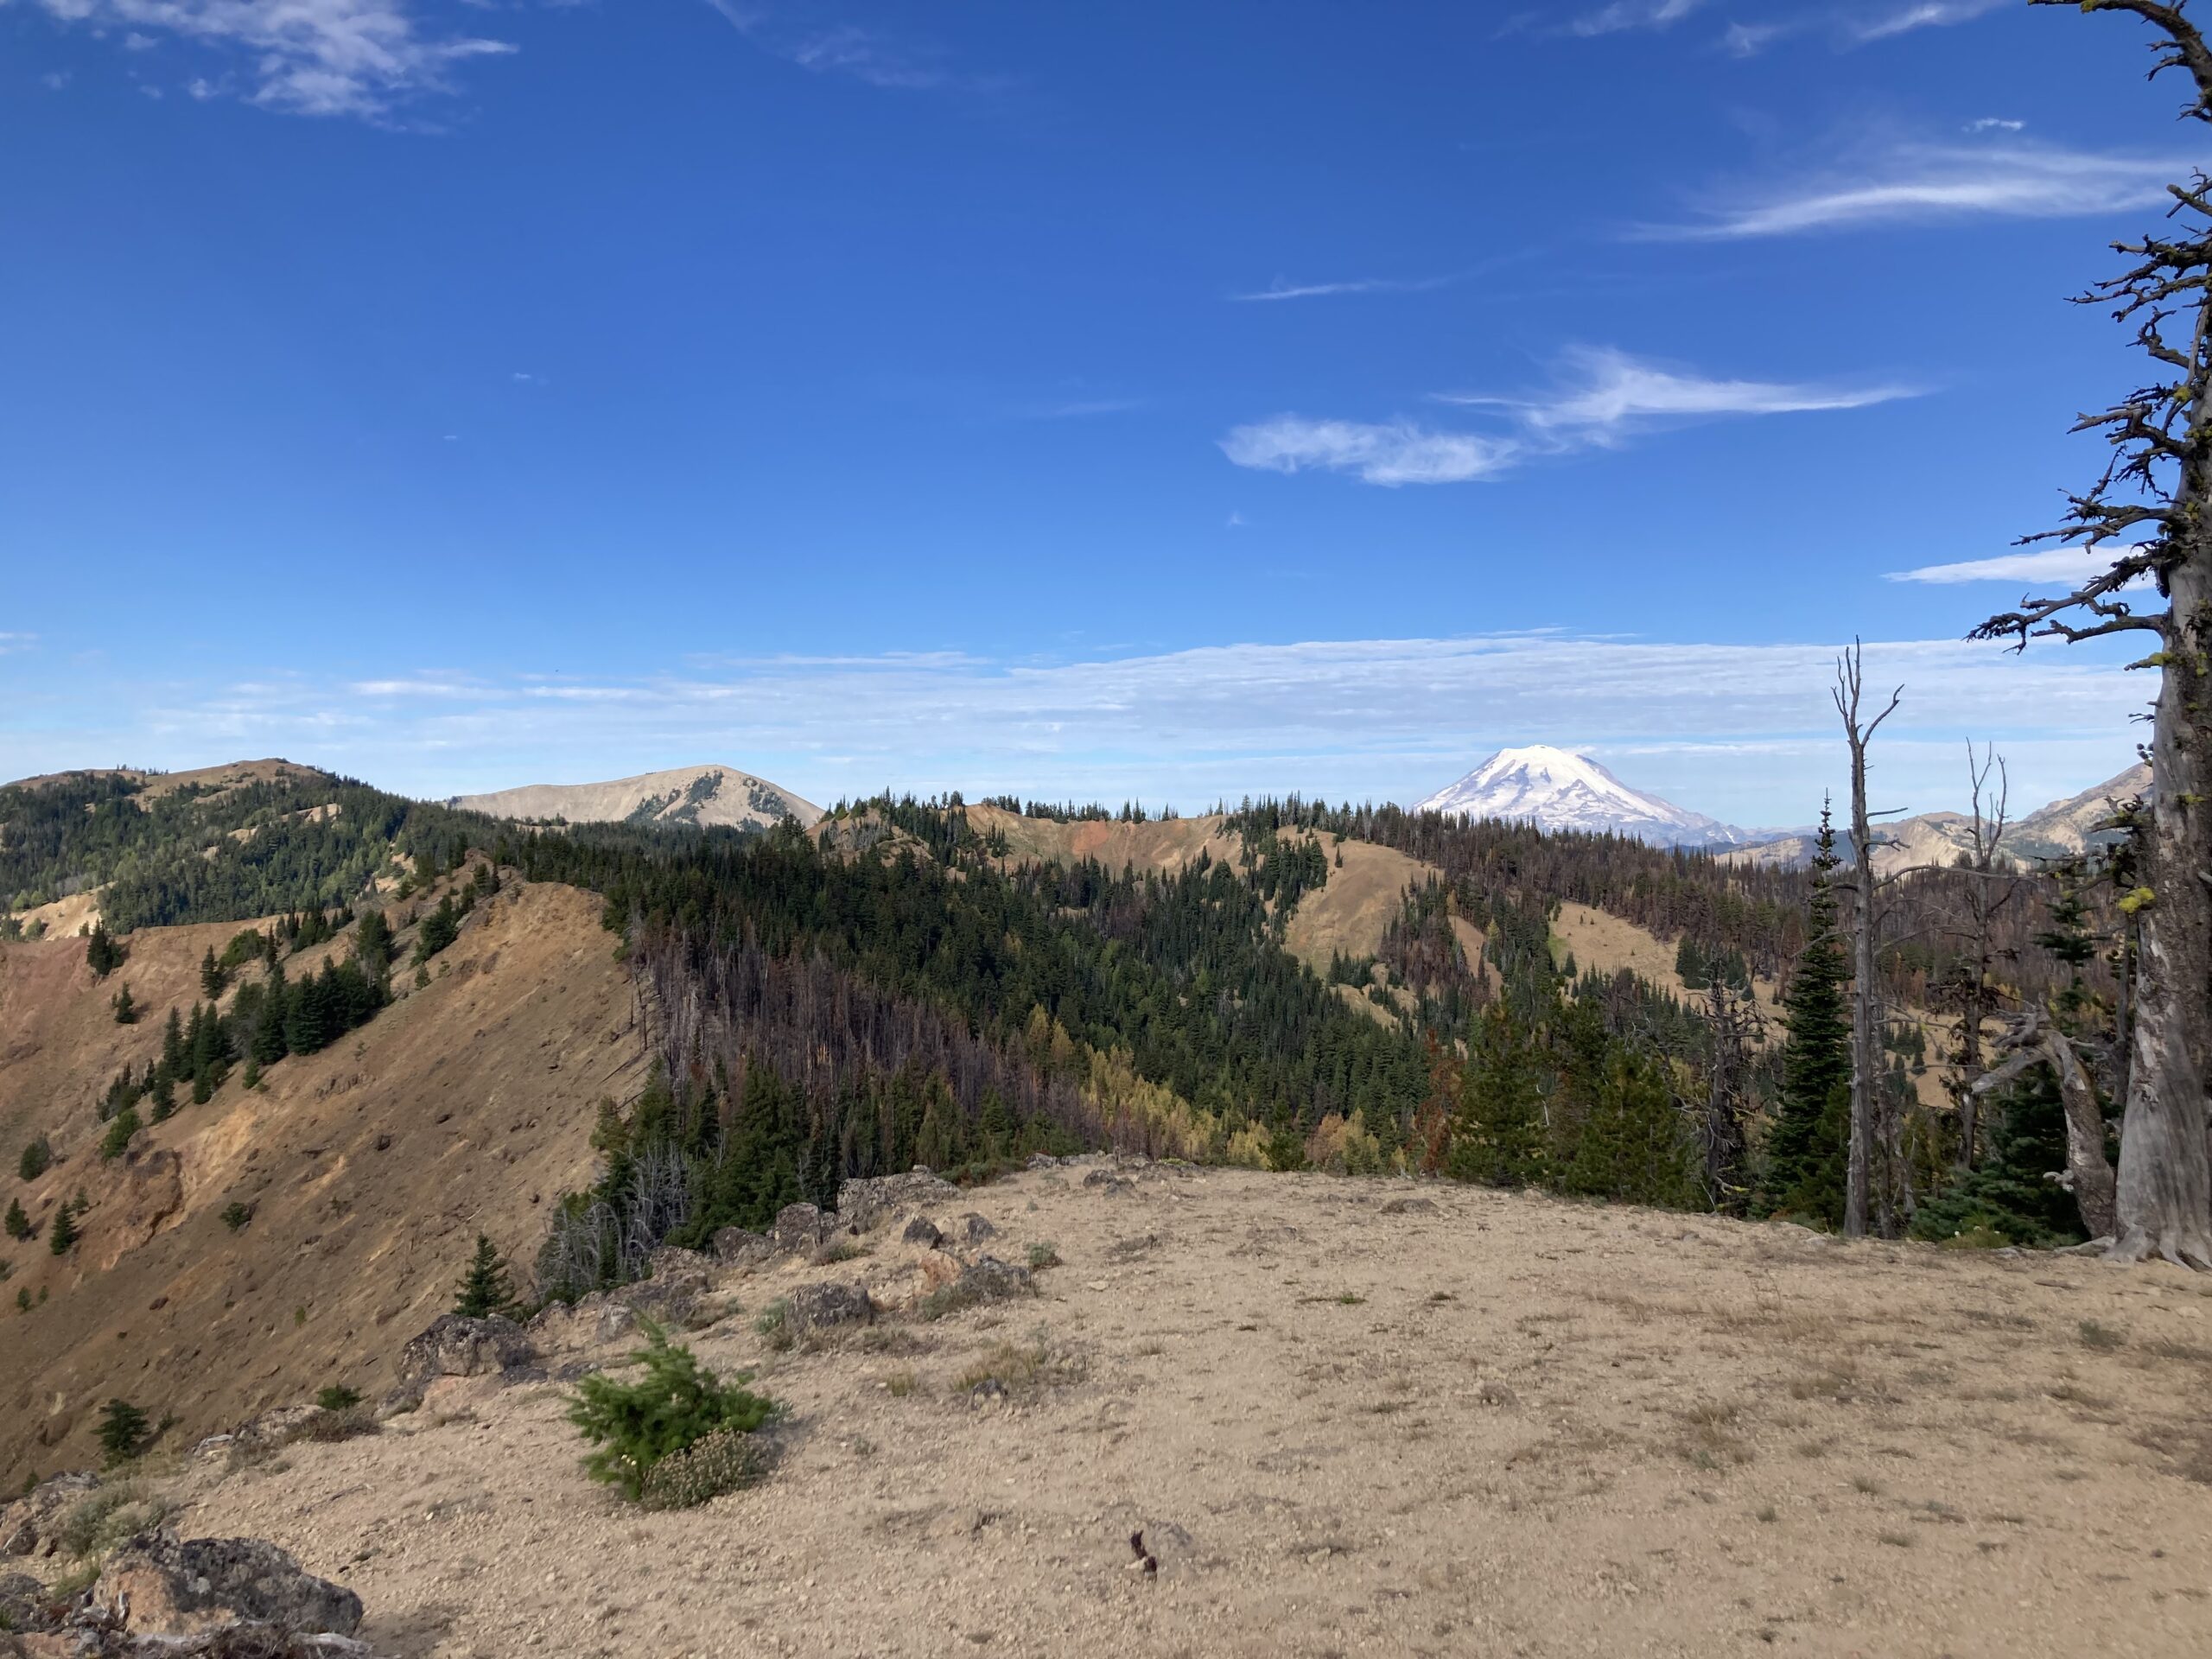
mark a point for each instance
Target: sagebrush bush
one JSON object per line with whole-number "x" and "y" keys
{"x": 104, "y": 1518}
{"x": 343, "y": 1423}
{"x": 672, "y": 1407}
{"x": 724, "y": 1461}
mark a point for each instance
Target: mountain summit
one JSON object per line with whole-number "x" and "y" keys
{"x": 1555, "y": 790}
{"x": 693, "y": 794}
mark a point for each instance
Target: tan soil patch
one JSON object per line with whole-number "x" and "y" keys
{"x": 1507, "y": 1425}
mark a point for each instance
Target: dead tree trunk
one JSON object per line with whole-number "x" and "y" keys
{"x": 2035, "y": 1039}
{"x": 2157, "y": 483}
{"x": 1866, "y": 1091}
{"x": 1984, "y": 899}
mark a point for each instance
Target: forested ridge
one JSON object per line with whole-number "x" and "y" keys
{"x": 890, "y": 989}
{"x": 196, "y": 854}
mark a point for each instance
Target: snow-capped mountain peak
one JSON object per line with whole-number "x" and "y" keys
{"x": 1556, "y": 788}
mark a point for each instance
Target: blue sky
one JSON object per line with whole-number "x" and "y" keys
{"x": 1160, "y": 400}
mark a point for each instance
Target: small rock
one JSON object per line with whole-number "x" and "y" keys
{"x": 987, "y": 1279}
{"x": 972, "y": 1229}
{"x": 1408, "y": 1207}
{"x": 1043, "y": 1160}
{"x": 1497, "y": 1393}
{"x": 922, "y": 1232}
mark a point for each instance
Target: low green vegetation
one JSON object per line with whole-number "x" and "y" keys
{"x": 673, "y": 1408}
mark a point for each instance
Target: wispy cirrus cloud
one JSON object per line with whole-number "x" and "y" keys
{"x": 1893, "y": 20}
{"x": 1279, "y": 289}
{"x": 2054, "y": 566}
{"x": 358, "y": 58}
{"x": 1929, "y": 182}
{"x": 1846, "y": 27}
{"x": 1625, "y": 15}
{"x": 14, "y": 642}
{"x": 798, "y": 34}
{"x": 1604, "y": 396}
{"x": 1387, "y": 453}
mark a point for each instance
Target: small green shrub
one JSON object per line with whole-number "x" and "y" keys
{"x": 124, "y": 1124}
{"x": 774, "y": 1325}
{"x": 728, "y": 1460}
{"x": 1042, "y": 1256}
{"x": 338, "y": 1397}
{"x": 122, "y": 1432}
{"x": 2102, "y": 1338}
{"x": 673, "y": 1407}
{"x": 839, "y": 1249}
{"x": 235, "y": 1215}
{"x": 37, "y": 1159}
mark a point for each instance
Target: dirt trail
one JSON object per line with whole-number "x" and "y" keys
{"x": 1353, "y": 1417}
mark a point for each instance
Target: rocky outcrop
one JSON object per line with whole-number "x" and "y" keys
{"x": 159, "y": 1583}
{"x": 867, "y": 1204}
{"x": 29, "y": 1522}
{"x": 457, "y": 1347}
{"x": 734, "y": 1246}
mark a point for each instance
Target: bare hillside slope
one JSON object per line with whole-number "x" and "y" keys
{"x": 369, "y": 1168}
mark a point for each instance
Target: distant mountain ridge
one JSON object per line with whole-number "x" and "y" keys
{"x": 2061, "y": 830}
{"x": 1555, "y": 789}
{"x": 699, "y": 795}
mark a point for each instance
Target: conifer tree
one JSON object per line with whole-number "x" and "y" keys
{"x": 126, "y": 1011}
{"x": 102, "y": 954}
{"x": 1808, "y": 1145}
{"x": 19, "y": 1225}
{"x": 1635, "y": 1145}
{"x": 63, "y": 1238}
{"x": 213, "y": 975}
{"x": 122, "y": 1432}
{"x": 1499, "y": 1138}
{"x": 37, "y": 1159}
{"x": 175, "y": 1060}
{"x": 485, "y": 1290}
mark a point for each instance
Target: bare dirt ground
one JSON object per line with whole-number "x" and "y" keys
{"x": 1350, "y": 1417}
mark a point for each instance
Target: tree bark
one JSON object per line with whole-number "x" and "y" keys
{"x": 2165, "y": 1157}
{"x": 2089, "y": 1175}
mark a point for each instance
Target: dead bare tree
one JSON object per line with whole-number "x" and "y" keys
{"x": 2033, "y": 1039}
{"x": 1868, "y": 1095}
{"x": 2155, "y": 483}
{"x": 1733, "y": 1026}
{"x": 1989, "y": 892}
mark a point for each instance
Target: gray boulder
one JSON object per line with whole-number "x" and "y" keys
{"x": 734, "y": 1246}
{"x": 157, "y": 1582}
{"x": 824, "y": 1307}
{"x": 799, "y": 1228}
{"x": 922, "y": 1232}
{"x": 457, "y": 1347}
{"x": 972, "y": 1230}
